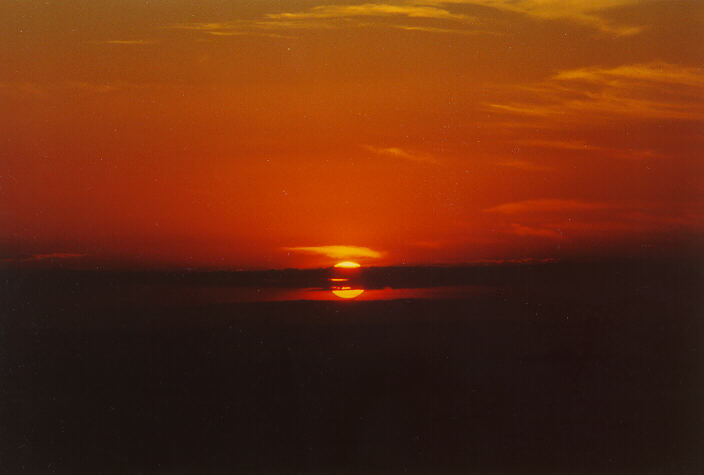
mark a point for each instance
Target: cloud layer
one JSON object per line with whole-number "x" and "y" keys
{"x": 432, "y": 16}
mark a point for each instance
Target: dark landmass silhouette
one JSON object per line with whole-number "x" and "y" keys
{"x": 572, "y": 367}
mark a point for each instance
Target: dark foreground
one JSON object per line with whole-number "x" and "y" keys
{"x": 597, "y": 372}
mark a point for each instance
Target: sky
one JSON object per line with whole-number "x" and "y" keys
{"x": 273, "y": 134}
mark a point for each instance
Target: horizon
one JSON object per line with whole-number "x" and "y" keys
{"x": 29, "y": 264}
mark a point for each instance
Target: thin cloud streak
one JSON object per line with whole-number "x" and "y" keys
{"x": 409, "y": 10}
{"x": 266, "y": 28}
{"x": 432, "y": 29}
{"x": 46, "y": 90}
{"x": 546, "y": 205}
{"x": 525, "y": 165}
{"x": 337, "y": 251}
{"x": 640, "y": 91}
{"x": 570, "y": 145}
{"x": 129, "y": 42}
{"x": 521, "y": 230}
{"x": 396, "y": 152}
{"x": 653, "y": 72}
{"x": 44, "y": 257}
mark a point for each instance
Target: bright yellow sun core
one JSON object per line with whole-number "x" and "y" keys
{"x": 347, "y": 265}
{"x": 347, "y": 293}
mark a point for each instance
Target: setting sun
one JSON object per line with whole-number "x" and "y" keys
{"x": 347, "y": 265}
{"x": 347, "y": 292}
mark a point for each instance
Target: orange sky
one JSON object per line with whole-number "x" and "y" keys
{"x": 272, "y": 133}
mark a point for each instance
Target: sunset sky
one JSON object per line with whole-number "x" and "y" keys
{"x": 271, "y": 134}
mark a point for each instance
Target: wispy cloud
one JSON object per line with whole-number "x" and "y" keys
{"x": 429, "y": 244}
{"x": 653, "y": 72}
{"x": 47, "y": 90}
{"x": 247, "y": 33}
{"x": 22, "y": 88}
{"x": 577, "y": 146}
{"x": 44, "y": 257}
{"x": 520, "y": 260}
{"x": 337, "y": 251}
{"x": 640, "y": 91}
{"x": 434, "y": 18}
{"x": 397, "y": 152}
{"x": 572, "y": 219}
{"x": 264, "y": 28}
{"x": 525, "y": 165}
{"x": 92, "y": 87}
{"x": 130, "y": 42}
{"x": 430, "y": 16}
{"x": 434, "y": 29}
{"x": 405, "y": 9}
{"x": 591, "y": 13}
{"x": 521, "y": 230}
{"x": 546, "y": 205}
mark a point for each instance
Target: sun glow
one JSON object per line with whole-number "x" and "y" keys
{"x": 347, "y": 292}
{"x": 347, "y": 265}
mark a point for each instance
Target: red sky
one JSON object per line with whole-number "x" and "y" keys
{"x": 273, "y": 134}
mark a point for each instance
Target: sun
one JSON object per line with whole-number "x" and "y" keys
{"x": 347, "y": 265}
{"x": 347, "y": 292}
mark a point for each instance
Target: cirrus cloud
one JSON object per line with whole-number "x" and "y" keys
{"x": 429, "y": 16}
{"x": 652, "y": 91}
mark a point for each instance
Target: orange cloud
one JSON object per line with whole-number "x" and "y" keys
{"x": 337, "y": 251}
{"x": 447, "y": 12}
{"x": 639, "y": 91}
{"x": 130, "y": 42}
{"x": 409, "y": 9}
{"x": 626, "y": 154}
{"x": 338, "y": 16}
{"x": 586, "y": 12}
{"x": 652, "y": 72}
{"x": 397, "y": 152}
{"x": 521, "y": 230}
{"x": 546, "y": 205}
